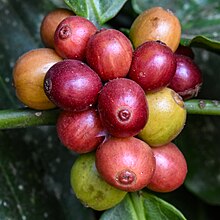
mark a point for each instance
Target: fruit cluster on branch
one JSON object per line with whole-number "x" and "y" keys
{"x": 121, "y": 100}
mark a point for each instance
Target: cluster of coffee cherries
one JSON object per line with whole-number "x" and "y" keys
{"x": 121, "y": 100}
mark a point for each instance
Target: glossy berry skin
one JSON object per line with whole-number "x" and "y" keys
{"x": 167, "y": 117}
{"x": 72, "y": 85}
{"x": 71, "y": 37}
{"x": 187, "y": 79}
{"x": 109, "y": 53}
{"x": 80, "y": 132}
{"x": 153, "y": 66}
{"x": 171, "y": 168}
{"x": 122, "y": 107}
{"x": 49, "y": 25}
{"x": 125, "y": 163}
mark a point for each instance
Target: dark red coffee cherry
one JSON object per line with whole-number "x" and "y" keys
{"x": 187, "y": 79}
{"x": 125, "y": 163}
{"x": 123, "y": 107}
{"x": 185, "y": 50}
{"x": 80, "y": 132}
{"x": 71, "y": 37}
{"x": 109, "y": 53}
{"x": 153, "y": 65}
{"x": 171, "y": 168}
{"x": 72, "y": 85}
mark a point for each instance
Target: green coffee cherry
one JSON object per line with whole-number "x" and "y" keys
{"x": 90, "y": 188}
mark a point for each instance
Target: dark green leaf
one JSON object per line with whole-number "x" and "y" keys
{"x": 203, "y": 42}
{"x": 34, "y": 177}
{"x": 97, "y": 11}
{"x": 201, "y": 148}
{"x": 34, "y": 166}
{"x": 143, "y": 206}
{"x": 199, "y": 20}
{"x": 199, "y": 139}
{"x": 22, "y": 194}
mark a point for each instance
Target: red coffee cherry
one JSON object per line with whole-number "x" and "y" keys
{"x": 80, "y": 132}
{"x": 153, "y": 66}
{"x": 187, "y": 80}
{"x": 171, "y": 168}
{"x": 109, "y": 53}
{"x": 125, "y": 163}
{"x": 123, "y": 107}
{"x": 72, "y": 85}
{"x": 71, "y": 37}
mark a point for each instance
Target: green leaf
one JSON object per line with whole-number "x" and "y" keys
{"x": 34, "y": 177}
{"x": 144, "y": 206}
{"x": 34, "y": 166}
{"x": 22, "y": 195}
{"x": 201, "y": 149}
{"x": 199, "y": 140}
{"x": 199, "y": 20}
{"x": 97, "y": 11}
{"x": 203, "y": 42}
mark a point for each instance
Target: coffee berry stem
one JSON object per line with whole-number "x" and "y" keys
{"x": 26, "y": 117}
{"x": 203, "y": 107}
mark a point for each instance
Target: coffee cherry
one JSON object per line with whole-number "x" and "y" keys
{"x": 28, "y": 76}
{"x": 171, "y": 168}
{"x": 109, "y": 53}
{"x": 156, "y": 24}
{"x": 187, "y": 79}
{"x": 50, "y": 23}
{"x": 185, "y": 51}
{"x": 71, "y": 37}
{"x": 153, "y": 66}
{"x": 167, "y": 116}
{"x": 72, "y": 85}
{"x": 123, "y": 107}
{"x": 125, "y": 163}
{"x": 90, "y": 188}
{"x": 80, "y": 132}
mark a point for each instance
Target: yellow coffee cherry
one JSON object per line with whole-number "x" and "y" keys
{"x": 167, "y": 116}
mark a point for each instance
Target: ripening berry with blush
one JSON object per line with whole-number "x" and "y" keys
{"x": 28, "y": 77}
{"x": 109, "y": 53}
{"x": 156, "y": 24}
{"x": 171, "y": 168}
{"x": 80, "y": 132}
{"x": 71, "y": 37}
{"x": 49, "y": 25}
{"x": 125, "y": 163}
{"x": 167, "y": 117}
{"x": 90, "y": 188}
